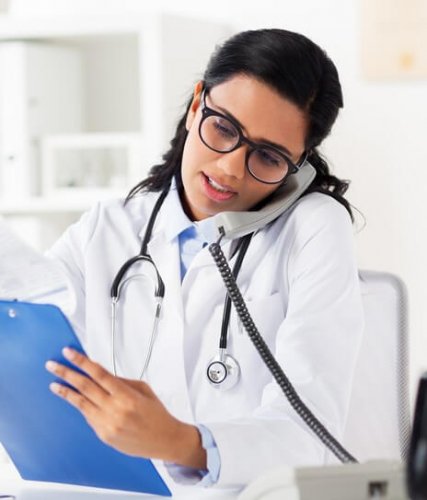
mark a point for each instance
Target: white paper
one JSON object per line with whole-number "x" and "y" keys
{"x": 28, "y": 275}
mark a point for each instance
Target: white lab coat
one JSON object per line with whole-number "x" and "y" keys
{"x": 299, "y": 279}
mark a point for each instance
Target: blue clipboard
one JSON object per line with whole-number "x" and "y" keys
{"x": 47, "y": 439}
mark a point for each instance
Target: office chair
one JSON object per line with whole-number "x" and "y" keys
{"x": 378, "y": 425}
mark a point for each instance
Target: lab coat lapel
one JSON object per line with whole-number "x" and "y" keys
{"x": 204, "y": 258}
{"x": 165, "y": 255}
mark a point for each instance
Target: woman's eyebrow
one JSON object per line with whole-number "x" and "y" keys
{"x": 262, "y": 141}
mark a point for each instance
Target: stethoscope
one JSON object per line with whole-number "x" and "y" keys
{"x": 223, "y": 370}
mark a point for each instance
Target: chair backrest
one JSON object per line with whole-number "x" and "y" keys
{"x": 378, "y": 424}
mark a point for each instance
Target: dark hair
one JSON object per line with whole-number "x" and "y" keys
{"x": 298, "y": 70}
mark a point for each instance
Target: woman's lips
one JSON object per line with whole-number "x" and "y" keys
{"x": 215, "y": 190}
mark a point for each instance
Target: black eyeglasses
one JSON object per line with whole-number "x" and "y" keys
{"x": 222, "y": 134}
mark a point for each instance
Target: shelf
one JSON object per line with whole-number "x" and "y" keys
{"x": 26, "y": 28}
{"x": 53, "y": 206}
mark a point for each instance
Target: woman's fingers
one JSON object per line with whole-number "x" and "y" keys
{"x": 82, "y": 403}
{"x": 83, "y": 384}
{"x": 99, "y": 374}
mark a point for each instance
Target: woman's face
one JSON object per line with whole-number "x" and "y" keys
{"x": 217, "y": 182}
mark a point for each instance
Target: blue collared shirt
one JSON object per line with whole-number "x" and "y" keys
{"x": 192, "y": 237}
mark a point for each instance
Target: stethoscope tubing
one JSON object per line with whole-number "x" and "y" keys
{"x": 119, "y": 282}
{"x": 114, "y": 303}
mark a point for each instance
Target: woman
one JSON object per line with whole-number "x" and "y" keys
{"x": 267, "y": 100}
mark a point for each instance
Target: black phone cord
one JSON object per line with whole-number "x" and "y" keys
{"x": 292, "y": 396}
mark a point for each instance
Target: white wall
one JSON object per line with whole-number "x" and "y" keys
{"x": 378, "y": 141}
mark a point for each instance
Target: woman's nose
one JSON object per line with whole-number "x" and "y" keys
{"x": 233, "y": 164}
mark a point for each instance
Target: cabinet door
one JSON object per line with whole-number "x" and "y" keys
{"x": 40, "y": 92}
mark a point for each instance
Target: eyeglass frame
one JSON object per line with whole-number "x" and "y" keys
{"x": 254, "y": 146}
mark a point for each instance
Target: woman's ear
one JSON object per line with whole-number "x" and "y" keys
{"x": 195, "y": 104}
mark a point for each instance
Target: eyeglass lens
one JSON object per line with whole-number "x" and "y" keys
{"x": 264, "y": 163}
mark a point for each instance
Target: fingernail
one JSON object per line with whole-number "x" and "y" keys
{"x": 55, "y": 387}
{"x": 51, "y": 365}
{"x": 69, "y": 353}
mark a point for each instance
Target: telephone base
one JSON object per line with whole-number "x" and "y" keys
{"x": 381, "y": 479}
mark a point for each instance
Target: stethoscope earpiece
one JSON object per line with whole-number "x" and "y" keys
{"x": 223, "y": 371}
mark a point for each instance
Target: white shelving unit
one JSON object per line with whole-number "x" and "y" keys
{"x": 84, "y": 84}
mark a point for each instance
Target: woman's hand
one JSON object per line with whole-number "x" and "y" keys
{"x": 126, "y": 414}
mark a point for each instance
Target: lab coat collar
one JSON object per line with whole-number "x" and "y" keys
{"x": 175, "y": 220}
{"x": 171, "y": 219}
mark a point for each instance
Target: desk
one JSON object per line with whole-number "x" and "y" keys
{"x": 349, "y": 482}
{"x": 12, "y": 484}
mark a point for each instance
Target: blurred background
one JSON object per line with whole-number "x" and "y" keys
{"x": 90, "y": 91}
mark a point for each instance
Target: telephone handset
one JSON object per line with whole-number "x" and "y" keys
{"x": 232, "y": 225}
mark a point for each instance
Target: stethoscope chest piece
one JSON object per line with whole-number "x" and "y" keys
{"x": 223, "y": 371}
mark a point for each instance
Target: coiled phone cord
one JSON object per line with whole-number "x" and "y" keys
{"x": 292, "y": 396}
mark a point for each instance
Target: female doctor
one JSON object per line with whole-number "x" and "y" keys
{"x": 267, "y": 100}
